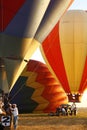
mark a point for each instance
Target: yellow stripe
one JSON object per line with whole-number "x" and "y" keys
{"x": 39, "y": 88}
{"x": 73, "y": 39}
{"x": 41, "y": 107}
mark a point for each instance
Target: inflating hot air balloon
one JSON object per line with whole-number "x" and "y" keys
{"x": 36, "y": 90}
{"x": 65, "y": 51}
{"x": 23, "y": 26}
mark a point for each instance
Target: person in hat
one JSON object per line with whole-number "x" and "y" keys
{"x": 14, "y": 110}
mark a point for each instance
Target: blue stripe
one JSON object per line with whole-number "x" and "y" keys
{"x": 18, "y": 25}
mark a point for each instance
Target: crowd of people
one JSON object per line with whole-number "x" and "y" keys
{"x": 66, "y": 109}
{"x": 6, "y": 108}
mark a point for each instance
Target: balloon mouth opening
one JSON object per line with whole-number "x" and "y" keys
{"x": 74, "y": 97}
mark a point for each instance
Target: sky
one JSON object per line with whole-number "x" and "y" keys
{"x": 77, "y": 5}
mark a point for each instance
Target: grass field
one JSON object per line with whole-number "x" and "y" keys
{"x": 45, "y": 122}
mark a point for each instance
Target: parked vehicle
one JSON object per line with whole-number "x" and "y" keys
{"x": 63, "y": 109}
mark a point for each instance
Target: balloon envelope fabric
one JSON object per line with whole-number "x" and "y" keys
{"x": 24, "y": 24}
{"x": 36, "y": 90}
{"x": 65, "y": 51}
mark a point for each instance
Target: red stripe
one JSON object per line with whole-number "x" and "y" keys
{"x": 52, "y": 50}
{"x": 83, "y": 84}
{"x": 8, "y": 9}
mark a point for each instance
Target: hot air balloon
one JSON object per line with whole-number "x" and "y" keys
{"x": 36, "y": 90}
{"x": 65, "y": 51}
{"x": 23, "y": 26}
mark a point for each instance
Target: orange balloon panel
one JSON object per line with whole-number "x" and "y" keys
{"x": 36, "y": 90}
{"x": 65, "y": 51}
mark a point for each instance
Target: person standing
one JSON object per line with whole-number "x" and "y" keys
{"x": 63, "y": 111}
{"x": 73, "y": 109}
{"x": 14, "y": 110}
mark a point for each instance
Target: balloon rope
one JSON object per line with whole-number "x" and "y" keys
{"x": 17, "y": 92}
